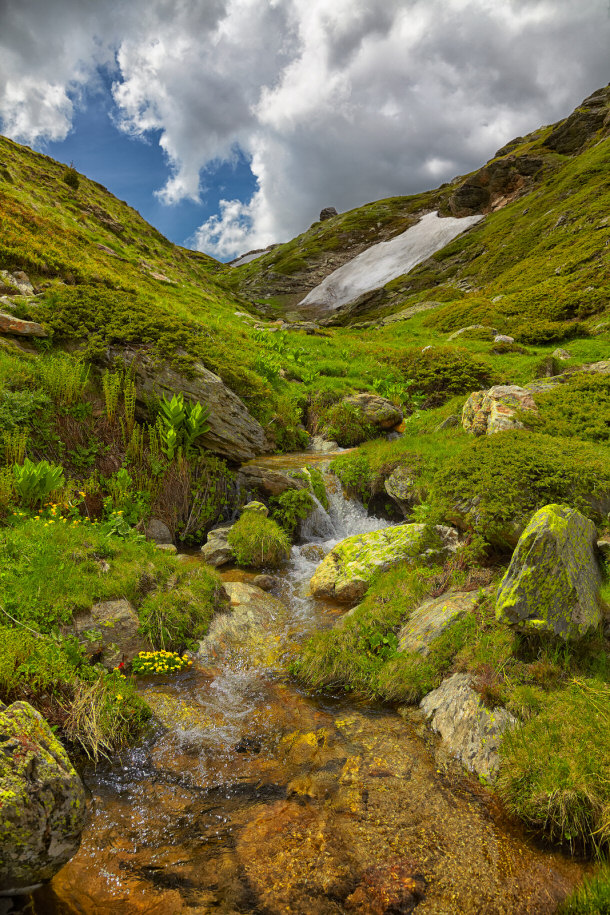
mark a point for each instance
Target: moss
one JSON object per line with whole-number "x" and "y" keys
{"x": 258, "y": 541}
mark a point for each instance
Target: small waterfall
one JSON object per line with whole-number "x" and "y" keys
{"x": 349, "y": 516}
{"x": 318, "y": 525}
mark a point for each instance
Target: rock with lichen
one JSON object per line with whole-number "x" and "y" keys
{"x": 486, "y": 412}
{"x": 346, "y": 572}
{"x": 553, "y": 581}
{"x": 42, "y": 800}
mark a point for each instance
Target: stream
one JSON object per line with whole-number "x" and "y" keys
{"x": 252, "y": 796}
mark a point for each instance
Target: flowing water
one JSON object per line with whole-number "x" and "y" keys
{"x": 252, "y": 796}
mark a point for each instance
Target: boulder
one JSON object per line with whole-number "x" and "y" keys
{"x": 494, "y": 185}
{"x": 327, "y": 213}
{"x": 158, "y": 531}
{"x": 503, "y": 338}
{"x": 320, "y": 445}
{"x": 432, "y": 618}
{"x": 569, "y": 136}
{"x": 470, "y": 731}
{"x": 478, "y": 329}
{"x": 486, "y": 412}
{"x": 452, "y": 421}
{"x": 265, "y": 481}
{"x": 110, "y": 629}
{"x": 17, "y": 280}
{"x": 216, "y": 551}
{"x": 561, "y": 354}
{"x": 400, "y": 486}
{"x": 381, "y": 413}
{"x": 259, "y": 507}
{"x": 265, "y": 582}
{"x": 233, "y": 432}
{"x": 553, "y": 581}
{"x": 42, "y": 801}
{"x": 346, "y": 572}
{"x": 9, "y": 324}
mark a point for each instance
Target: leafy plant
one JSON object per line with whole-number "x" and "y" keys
{"x": 290, "y": 507}
{"x": 181, "y": 423}
{"x": 34, "y": 482}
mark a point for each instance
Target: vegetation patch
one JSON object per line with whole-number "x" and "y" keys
{"x": 580, "y": 408}
{"x": 441, "y": 372}
{"x": 258, "y": 541}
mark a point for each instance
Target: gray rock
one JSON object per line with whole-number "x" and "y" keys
{"x": 233, "y": 432}
{"x": 432, "y": 618}
{"x": 378, "y": 411}
{"x": 561, "y": 354}
{"x": 503, "y": 338}
{"x": 42, "y": 801}
{"x": 320, "y": 445}
{"x": 18, "y": 280}
{"x": 400, "y": 486}
{"x": 452, "y": 421}
{"x": 553, "y": 581}
{"x": 168, "y": 547}
{"x": 264, "y": 582}
{"x": 216, "y": 551}
{"x": 327, "y": 213}
{"x": 110, "y": 628}
{"x": 265, "y": 481}
{"x": 483, "y": 328}
{"x": 158, "y": 531}
{"x": 470, "y": 731}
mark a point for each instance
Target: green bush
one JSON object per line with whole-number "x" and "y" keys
{"x": 70, "y": 177}
{"x": 441, "y": 372}
{"x": 580, "y": 408}
{"x": 258, "y": 541}
{"x": 290, "y": 507}
{"x": 496, "y": 482}
{"x": 544, "y": 332}
{"x": 181, "y": 616}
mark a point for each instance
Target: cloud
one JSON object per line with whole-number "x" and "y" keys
{"x": 332, "y": 104}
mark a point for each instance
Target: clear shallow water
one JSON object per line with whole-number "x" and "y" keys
{"x": 252, "y": 796}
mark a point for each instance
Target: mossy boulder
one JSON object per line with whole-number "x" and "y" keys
{"x": 346, "y": 572}
{"x": 434, "y": 617}
{"x": 553, "y": 581}
{"x": 486, "y": 412}
{"x": 378, "y": 411}
{"x": 42, "y": 800}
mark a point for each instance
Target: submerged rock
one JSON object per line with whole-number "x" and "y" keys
{"x": 434, "y": 617}
{"x": 486, "y": 412}
{"x": 553, "y": 580}
{"x": 42, "y": 800}
{"x": 471, "y": 732}
{"x": 346, "y": 572}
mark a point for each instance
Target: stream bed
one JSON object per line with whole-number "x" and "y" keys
{"x": 252, "y": 796}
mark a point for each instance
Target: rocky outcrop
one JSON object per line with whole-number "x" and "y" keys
{"x": 233, "y": 432}
{"x": 470, "y": 731}
{"x": 327, "y": 213}
{"x": 378, "y": 411}
{"x": 486, "y": 412}
{"x": 495, "y": 185}
{"x": 42, "y": 801}
{"x": 572, "y": 134}
{"x": 9, "y": 324}
{"x": 346, "y": 572}
{"x": 434, "y": 617}
{"x": 552, "y": 583}
{"x": 17, "y": 280}
{"x": 110, "y": 629}
{"x": 216, "y": 551}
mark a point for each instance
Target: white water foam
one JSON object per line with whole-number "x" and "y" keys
{"x": 385, "y": 261}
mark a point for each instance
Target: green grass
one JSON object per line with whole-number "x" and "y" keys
{"x": 592, "y": 898}
{"x": 258, "y": 541}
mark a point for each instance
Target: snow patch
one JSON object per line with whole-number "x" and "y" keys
{"x": 385, "y": 261}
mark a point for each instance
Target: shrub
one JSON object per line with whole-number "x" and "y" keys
{"x": 579, "y": 409}
{"x": 70, "y": 177}
{"x": 290, "y": 507}
{"x": 258, "y": 541}
{"x": 541, "y": 332}
{"x": 441, "y": 372}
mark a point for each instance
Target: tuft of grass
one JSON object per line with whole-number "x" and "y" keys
{"x": 258, "y": 541}
{"x": 592, "y": 897}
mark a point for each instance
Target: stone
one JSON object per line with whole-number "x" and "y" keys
{"x": 452, "y": 421}
{"x": 400, "y": 486}
{"x": 216, "y": 551}
{"x": 346, "y": 572}
{"x": 168, "y": 547}
{"x": 487, "y": 412}
{"x": 503, "y": 338}
{"x": 561, "y": 354}
{"x": 265, "y": 481}
{"x": 470, "y": 731}
{"x": 264, "y": 582}
{"x": 42, "y": 801}
{"x": 110, "y": 629}
{"x": 17, "y": 280}
{"x": 320, "y": 445}
{"x": 473, "y": 328}
{"x": 553, "y": 581}
{"x": 388, "y": 889}
{"x": 381, "y": 413}
{"x": 9, "y": 324}
{"x": 434, "y": 617}
{"x": 233, "y": 432}
{"x": 158, "y": 531}
{"x": 259, "y": 507}
{"x": 327, "y": 213}
{"x": 314, "y": 552}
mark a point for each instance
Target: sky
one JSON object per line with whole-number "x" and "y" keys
{"x": 229, "y": 124}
